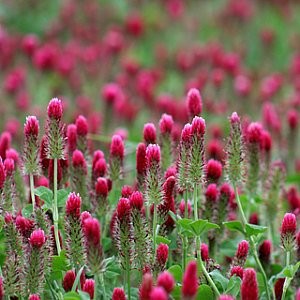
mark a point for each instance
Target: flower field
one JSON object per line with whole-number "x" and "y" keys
{"x": 149, "y": 150}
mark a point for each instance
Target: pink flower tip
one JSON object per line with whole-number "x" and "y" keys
{"x": 136, "y": 200}
{"x": 34, "y": 297}
{"x": 162, "y": 253}
{"x": 198, "y": 126}
{"x": 242, "y": 250}
{"x": 118, "y": 294}
{"x": 123, "y": 208}
{"x": 153, "y": 154}
{"x": 190, "y": 280}
{"x": 78, "y": 159}
{"x": 166, "y": 124}
{"x": 91, "y": 229}
{"x": 73, "y": 205}
{"x": 89, "y": 287}
{"x": 225, "y": 297}
{"x": 289, "y": 224}
{"x": 55, "y": 109}
{"x": 166, "y": 281}
{"x": 204, "y": 252}
{"x": 194, "y": 102}
{"x": 237, "y": 271}
{"x": 31, "y": 127}
{"x": 68, "y": 280}
{"x": 149, "y": 133}
{"x": 37, "y": 238}
{"x": 81, "y": 126}
{"x": 254, "y": 132}
{"x": 117, "y": 147}
{"x": 249, "y": 287}
{"x": 158, "y": 293}
{"x": 213, "y": 170}
{"x": 235, "y": 119}
{"x": 101, "y": 187}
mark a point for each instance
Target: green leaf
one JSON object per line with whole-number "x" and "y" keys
{"x": 77, "y": 279}
{"x": 252, "y": 229}
{"x": 62, "y": 196}
{"x": 59, "y": 265}
{"x": 291, "y": 270}
{"x": 46, "y": 195}
{"x": 205, "y": 292}
{"x": 160, "y": 239}
{"x": 219, "y": 278}
{"x": 83, "y": 295}
{"x": 176, "y": 271}
{"x": 72, "y": 296}
{"x": 234, "y": 226}
{"x": 27, "y": 211}
{"x": 106, "y": 242}
{"x": 293, "y": 178}
{"x": 233, "y": 287}
{"x": 176, "y": 293}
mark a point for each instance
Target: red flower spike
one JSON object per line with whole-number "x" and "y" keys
{"x": 2, "y": 174}
{"x": 118, "y": 294}
{"x": 298, "y": 294}
{"x": 190, "y": 280}
{"x": 254, "y": 132}
{"x": 235, "y": 119}
{"x": 31, "y": 127}
{"x": 89, "y": 287}
{"x": 149, "y": 133}
{"x": 123, "y": 208}
{"x": 136, "y": 200}
{"x": 117, "y": 147}
{"x": 162, "y": 253}
{"x": 73, "y": 205}
{"x": 182, "y": 208}
{"x": 24, "y": 225}
{"x": 288, "y": 231}
{"x": 166, "y": 124}
{"x": 166, "y": 281}
{"x": 293, "y": 119}
{"x": 55, "y": 109}
{"x": 9, "y": 166}
{"x": 204, "y": 252}
{"x": 153, "y": 154}
{"x": 238, "y": 271}
{"x": 146, "y": 287}
{"x": 266, "y": 141}
{"x": 34, "y": 297}
{"x": 78, "y": 159}
{"x": 141, "y": 162}
{"x": 198, "y": 127}
{"x": 213, "y": 170}
{"x": 249, "y": 287}
{"x": 69, "y": 280}
{"x": 211, "y": 193}
{"x": 85, "y": 215}
{"x": 1, "y": 289}
{"x": 158, "y": 293}
{"x": 81, "y": 126}
{"x": 8, "y": 218}
{"x": 13, "y": 154}
{"x": 126, "y": 191}
{"x": 100, "y": 168}
{"x": 5, "y": 142}
{"x": 264, "y": 251}
{"x": 101, "y": 187}
{"x": 186, "y": 133}
{"x": 71, "y": 137}
{"x": 242, "y": 250}
{"x": 37, "y": 238}
{"x": 194, "y": 102}
{"x": 91, "y": 229}
{"x": 253, "y": 219}
{"x": 278, "y": 288}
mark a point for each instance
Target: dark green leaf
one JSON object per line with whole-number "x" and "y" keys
{"x": 205, "y": 292}
{"x": 176, "y": 293}
{"x": 59, "y": 265}
{"x": 252, "y": 229}
{"x": 84, "y": 295}
{"x": 293, "y": 178}
{"x": 234, "y": 226}
{"x": 219, "y": 278}
{"x": 176, "y": 271}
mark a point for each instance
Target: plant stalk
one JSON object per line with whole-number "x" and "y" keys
{"x": 55, "y": 209}
{"x": 154, "y": 228}
{"x": 287, "y": 281}
{"x": 32, "y": 191}
{"x": 252, "y": 243}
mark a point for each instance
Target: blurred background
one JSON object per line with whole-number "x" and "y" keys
{"x": 123, "y": 63}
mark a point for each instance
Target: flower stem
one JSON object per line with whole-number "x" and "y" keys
{"x": 287, "y": 280}
{"x": 154, "y": 227}
{"x": 55, "y": 209}
{"x": 198, "y": 246}
{"x": 252, "y": 243}
{"x": 32, "y": 191}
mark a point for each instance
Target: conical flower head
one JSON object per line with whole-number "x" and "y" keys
{"x": 116, "y": 157}
{"x": 31, "y": 146}
{"x": 190, "y": 281}
{"x": 73, "y": 205}
{"x": 118, "y": 294}
{"x": 194, "y": 102}
{"x": 288, "y": 231}
{"x": 55, "y": 143}
{"x": 37, "y": 238}
{"x": 249, "y": 287}
{"x": 166, "y": 281}
{"x": 235, "y": 152}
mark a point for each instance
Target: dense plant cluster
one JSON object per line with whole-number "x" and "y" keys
{"x": 145, "y": 195}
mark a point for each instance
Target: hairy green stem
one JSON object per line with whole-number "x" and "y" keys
{"x": 287, "y": 281}
{"x": 32, "y": 191}
{"x": 252, "y": 244}
{"x": 55, "y": 209}
{"x": 154, "y": 228}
